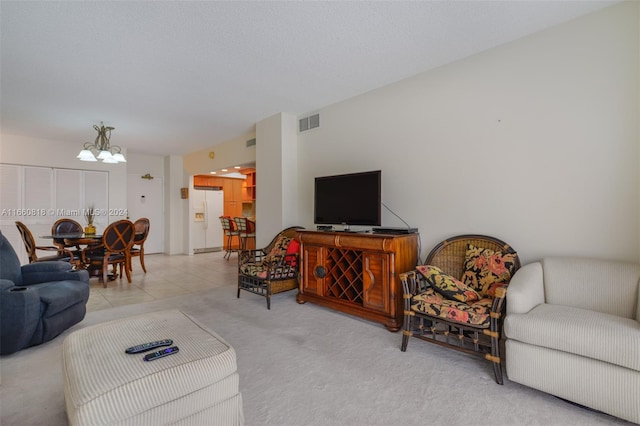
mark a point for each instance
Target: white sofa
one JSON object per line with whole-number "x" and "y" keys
{"x": 573, "y": 330}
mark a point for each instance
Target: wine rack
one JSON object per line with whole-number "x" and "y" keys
{"x": 345, "y": 271}
{"x": 356, "y": 273}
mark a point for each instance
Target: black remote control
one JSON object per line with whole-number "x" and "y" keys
{"x": 161, "y": 353}
{"x": 148, "y": 346}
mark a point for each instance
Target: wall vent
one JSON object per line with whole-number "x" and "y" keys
{"x": 304, "y": 124}
{"x": 308, "y": 123}
{"x": 314, "y": 121}
{"x": 251, "y": 142}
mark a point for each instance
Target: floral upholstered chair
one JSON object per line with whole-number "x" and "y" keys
{"x": 456, "y": 299}
{"x": 273, "y": 269}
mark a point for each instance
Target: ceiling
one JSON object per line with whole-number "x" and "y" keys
{"x": 174, "y": 77}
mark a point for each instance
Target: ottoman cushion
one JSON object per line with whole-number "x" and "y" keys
{"x": 104, "y": 385}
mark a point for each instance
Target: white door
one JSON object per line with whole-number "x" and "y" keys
{"x": 145, "y": 199}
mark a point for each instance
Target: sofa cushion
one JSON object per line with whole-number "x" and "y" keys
{"x": 591, "y": 334}
{"x": 59, "y": 295}
{"x": 484, "y": 267}
{"x": 435, "y": 304}
{"x": 612, "y": 287}
{"x": 448, "y": 286}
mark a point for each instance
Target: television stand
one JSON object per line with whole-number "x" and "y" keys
{"x": 356, "y": 273}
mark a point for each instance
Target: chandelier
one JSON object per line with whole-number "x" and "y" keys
{"x": 105, "y": 151}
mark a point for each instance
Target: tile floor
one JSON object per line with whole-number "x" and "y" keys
{"x": 166, "y": 276}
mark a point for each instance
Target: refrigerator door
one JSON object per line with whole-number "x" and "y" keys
{"x": 214, "y": 202}
{"x": 206, "y": 230}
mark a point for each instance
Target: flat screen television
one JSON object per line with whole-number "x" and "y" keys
{"x": 349, "y": 199}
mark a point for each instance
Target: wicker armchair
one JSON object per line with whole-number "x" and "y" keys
{"x": 272, "y": 269}
{"x": 468, "y": 315}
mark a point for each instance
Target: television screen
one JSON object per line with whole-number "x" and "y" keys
{"x": 350, "y": 199}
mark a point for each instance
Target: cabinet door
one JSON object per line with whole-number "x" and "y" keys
{"x": 312, "y": 269}
{"x": 375, "y": 282}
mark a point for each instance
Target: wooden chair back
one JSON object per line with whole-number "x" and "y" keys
{"x": 118, "y": 237}
{"x": 66, "y": 226}
{"x": 141, "y": 227}
{"x": 32, "y": 248}
{"x": 28, "y": 240}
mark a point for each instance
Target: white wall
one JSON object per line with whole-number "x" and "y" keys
{"x": 535, "y": 142}
{"x": 231, "y": 153}
{"x": 276, "y": 176}
{"x": 49, "y": 153}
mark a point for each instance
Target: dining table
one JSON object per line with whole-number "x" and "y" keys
{"x": 78, "y": 239}
{"x": 82, "y": 239}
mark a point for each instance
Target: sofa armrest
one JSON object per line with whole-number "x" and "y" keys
{"x": 526, "y": 289}
{"x": 19, "y": 316}
{"x": 41, "y": 272}
{"x": 6, "y": 284}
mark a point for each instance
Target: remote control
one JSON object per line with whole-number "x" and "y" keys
{"x": 161, "y": 353}
{"x": 148, "y": 346}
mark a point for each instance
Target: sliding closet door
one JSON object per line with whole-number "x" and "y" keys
{"x": 38, "y": 196}
{"x": 96, "y": 194}
{"x": 11, "y": 198}
{"x": 68, "y": 195}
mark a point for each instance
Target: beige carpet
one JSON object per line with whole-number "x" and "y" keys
{"x": 308, "y": 365}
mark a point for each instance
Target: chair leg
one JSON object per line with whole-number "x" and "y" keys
{"x": 407, "y": 326}
{"x": 497, "y": 371}
{"x": 105, "y": 275}
{"x": 142, "y": 260}
{"x": 227, "y": 255}
{"x": 127, "y": 270}
{"x": 268, "y": 301}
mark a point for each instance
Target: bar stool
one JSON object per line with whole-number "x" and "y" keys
{"x": 247, "y": 229}
{"x": 230, "y": 230}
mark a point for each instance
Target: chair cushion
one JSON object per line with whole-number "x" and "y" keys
{"x": 293, "y": 248}
{"x": 484, "y": 267}
{"x": 450, "y": 287}
{"x": 259, "y": 270}
{"x": 254, "y": 269}
{"x": 279, "y": 249}
{"x": 436, "y": 305}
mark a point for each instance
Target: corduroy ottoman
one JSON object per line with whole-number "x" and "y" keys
{"x": 105, "y": 385}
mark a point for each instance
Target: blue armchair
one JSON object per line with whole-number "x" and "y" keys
{"x": 38, "y": 301}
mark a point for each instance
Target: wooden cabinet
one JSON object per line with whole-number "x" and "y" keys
{"x": 356, "y": 273}
{"x": 249, "y": 194}
{"x": 232, "y": 197}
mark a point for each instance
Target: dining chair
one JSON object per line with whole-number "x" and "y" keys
{"x": 247, "y": 230}
{"x": 66, "y": 226}
{"x": 141, "y": 228}
{"x": 114, "y": 250}
{"x": 31, "y": 247}
{"x": 230, "y": 230}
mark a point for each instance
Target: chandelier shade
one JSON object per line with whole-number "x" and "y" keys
{"x": 101, "y": 148}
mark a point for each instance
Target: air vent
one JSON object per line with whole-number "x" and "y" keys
{"x": 251, "y": 142}
{"x": 304, "y": 124}
{"x": 314, "y": 121}
{"x": 310, "y": 122}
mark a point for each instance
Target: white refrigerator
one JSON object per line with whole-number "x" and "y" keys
{"x": 206, "y": 230}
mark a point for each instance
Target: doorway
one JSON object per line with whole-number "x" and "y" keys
{"x": 145, "y": 199}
